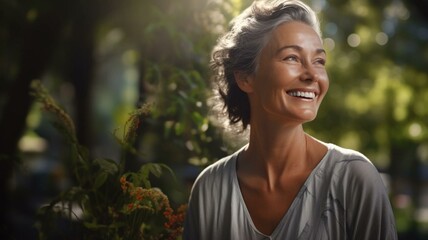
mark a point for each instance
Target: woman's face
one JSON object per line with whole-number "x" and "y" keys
{"x": 290, "y": 80}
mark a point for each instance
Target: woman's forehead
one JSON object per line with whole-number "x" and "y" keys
{"x": 294, "y": 34}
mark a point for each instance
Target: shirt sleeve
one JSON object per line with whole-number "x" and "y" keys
{"x": 369, "y": 214}
{"x": 209, "y": 203}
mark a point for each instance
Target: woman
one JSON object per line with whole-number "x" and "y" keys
{"x": 284, "y": 184}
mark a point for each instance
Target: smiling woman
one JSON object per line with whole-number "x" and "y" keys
{"x": 283, "y": 184}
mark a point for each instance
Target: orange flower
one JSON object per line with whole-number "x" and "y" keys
{"x": 123, "y": 180}
{"x": 123, "y": 184}
{"x": 130, "y": 206}
{"x": 174, "y": 223}
{"x": 139, "y": 194}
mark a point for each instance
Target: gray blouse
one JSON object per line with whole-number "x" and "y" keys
{"x": 343, "y": 198}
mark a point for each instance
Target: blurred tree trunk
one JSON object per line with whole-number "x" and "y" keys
{"x": 39, "y": 38}
{"x": 86, "y": 17}
{"x": 81, "y": 68}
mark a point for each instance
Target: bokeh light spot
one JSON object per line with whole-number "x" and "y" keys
{"x": 354, "y": 40}
{"x": 381, "y": 38}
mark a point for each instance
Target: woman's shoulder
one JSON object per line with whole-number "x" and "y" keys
{"x": 349, "y": 160}
{"x": 352, "y": 166}
{"x": 361, "y": 194}
{"x": 219, "y": 171}
{"x": 217, "y": 168}
{"x": 341, "y": 154}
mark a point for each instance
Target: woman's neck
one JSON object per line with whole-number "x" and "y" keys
{"x": 273, "y": 153}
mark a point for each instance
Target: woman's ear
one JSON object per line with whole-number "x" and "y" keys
{"x": 244, "y": 81}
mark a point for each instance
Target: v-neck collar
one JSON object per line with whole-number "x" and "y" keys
{"x": 294, "y": 202}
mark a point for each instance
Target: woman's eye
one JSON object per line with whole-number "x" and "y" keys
{"x": 320, "y": 61}
{"x": 291, "y": 58}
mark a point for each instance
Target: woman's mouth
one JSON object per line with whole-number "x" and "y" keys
{"x": 302, "y": 94}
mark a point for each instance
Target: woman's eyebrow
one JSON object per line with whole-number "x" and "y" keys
{"x": 298, "y": 48}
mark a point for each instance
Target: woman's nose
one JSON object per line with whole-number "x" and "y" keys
{"x": 308, "y": 73}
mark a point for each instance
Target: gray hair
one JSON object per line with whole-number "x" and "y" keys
{"x": 240, "y": 47}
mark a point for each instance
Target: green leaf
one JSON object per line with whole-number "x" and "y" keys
{"x": 100, "y": 179}
{"x": 153, "y": 168}
{"x": 146, "y": 183}
{"x": 107, "y": 165}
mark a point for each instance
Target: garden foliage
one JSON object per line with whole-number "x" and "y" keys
{"x": 106, "y": 202}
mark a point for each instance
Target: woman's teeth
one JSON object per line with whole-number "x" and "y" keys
{"x": 308, "y": 95}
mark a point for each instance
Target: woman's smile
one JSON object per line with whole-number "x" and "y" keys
{"x": 303, "y": 94}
